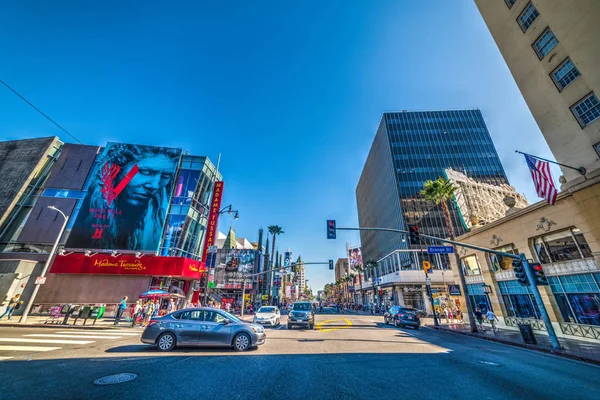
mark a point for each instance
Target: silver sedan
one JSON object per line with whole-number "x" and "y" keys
{"x": 202, "y": 327}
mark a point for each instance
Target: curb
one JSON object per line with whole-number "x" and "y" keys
{"x": 523, "y": 346}
{"x": 59, "y": 326}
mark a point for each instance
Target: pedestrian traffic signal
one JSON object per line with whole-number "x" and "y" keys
{"x": 330, "y": 264}
{"x": 381, "y": 292}
{"x": 331, "y": 232}
{"x": 520, "y": 273}
{"x": 414, "y": 235}
{"x": 538, "y": 273}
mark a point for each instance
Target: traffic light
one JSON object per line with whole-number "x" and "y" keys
{"x": 331, "y": 229}
{"x": 330, "y": 264}
{"x": 538, "y": 272}
{"x": 520, "y": 273}
{"x": 203, "y": 281}
{"x": 380, "y": 292}
{"x": 414, "y": 234}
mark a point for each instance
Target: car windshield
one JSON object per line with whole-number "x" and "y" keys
{"x": 266, "y": 310}
{"x": 302, "y": 307}
{"x": 409, "y": 311}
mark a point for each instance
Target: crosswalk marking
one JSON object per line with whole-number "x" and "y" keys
{"x": 50, "y": 341}
{"x": 5, "y": 358}
{"x": 27, "y": 348}
{"x": 72, "y": 336}
{"x": 111, "y": 333}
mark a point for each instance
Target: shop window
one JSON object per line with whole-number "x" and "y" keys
{"x": 565, "y": 245}
{"x": 578, "y": 297}
{"x": 470, "y": 265}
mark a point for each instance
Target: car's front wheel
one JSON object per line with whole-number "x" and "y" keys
{"x": 417, "y": 328}
{"x": 289, "y": 326}
{"x": 166, "y": 342}
{"x": 242, "y": 342}
{"x": 278, "y": 322}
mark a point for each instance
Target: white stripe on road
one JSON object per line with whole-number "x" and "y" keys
{"x": 5, "y": 358}
{"x": 27, "y": 348}
{"x": 98, "y": 333}
{"x": 72, "y": 336}
{"x": 50, "y": 341}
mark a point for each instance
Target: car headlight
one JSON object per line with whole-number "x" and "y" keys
{"x": 258, "y": 329}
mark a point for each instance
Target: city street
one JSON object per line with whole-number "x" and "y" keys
{"x": 347, "y": 356}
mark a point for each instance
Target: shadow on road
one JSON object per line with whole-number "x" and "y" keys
{"x": 139, "y": 348}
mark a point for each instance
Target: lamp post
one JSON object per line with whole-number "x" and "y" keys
{"x": 47, "y": 265}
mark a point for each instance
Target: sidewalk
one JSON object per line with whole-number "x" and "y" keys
{"x": 38, "y": 322}
{"x": 571, "y": 348}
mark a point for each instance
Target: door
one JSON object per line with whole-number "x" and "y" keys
{"x": 214, "y": 331}
{"x": 188, "y": 327}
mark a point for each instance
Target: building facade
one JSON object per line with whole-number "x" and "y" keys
{"x": 137, "y": 217}
{"x": 409, "y": 149}
{"x": 551, "y": 49}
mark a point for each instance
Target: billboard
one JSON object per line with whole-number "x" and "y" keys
{"x": 237, "y": 263}
{"x": 127, "y": 200}
{"x": 354, "y": 256}
{"x": 213, "y": 217}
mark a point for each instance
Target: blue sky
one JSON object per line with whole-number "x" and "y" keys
{"x": 290, "y": 93}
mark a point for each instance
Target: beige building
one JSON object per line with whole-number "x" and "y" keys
{"x": 551, "y": 48}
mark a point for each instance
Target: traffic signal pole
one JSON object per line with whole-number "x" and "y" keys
{"x": 521, "y": 257}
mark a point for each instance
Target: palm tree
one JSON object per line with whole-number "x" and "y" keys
{"x": 273, "y": 230}
{"x": 359, "y": 268}
{"x": 440, "y": 192}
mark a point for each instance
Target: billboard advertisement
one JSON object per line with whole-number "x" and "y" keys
{"x": 128, "y": 198}
{"x": 213, "y": 217}
{"x": 237, "y": 263}
{"x": 354, "y": 256}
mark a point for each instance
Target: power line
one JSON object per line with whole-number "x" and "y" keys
{"x": 41, "y": 112}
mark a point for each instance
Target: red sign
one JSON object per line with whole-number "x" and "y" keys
{"x": 106, "y": 264}
{"x": 213, "y": 217}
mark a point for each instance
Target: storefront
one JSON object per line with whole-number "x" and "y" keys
{"x": 478, "y": 298}
{"x": 518, "y": 300}
{"x": 578, "y": 297}
{"x": 104, "y": 278}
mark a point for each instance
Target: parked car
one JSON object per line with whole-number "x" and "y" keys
{"x": 407, "y": 316}
{"x": 390, "y": 315}
{"x": 202, "y": 327}
{"x": 267, "y": 315}
{"x": 303, "y": 314}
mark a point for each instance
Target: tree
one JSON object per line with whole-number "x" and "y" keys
{"x": 273, "y": 230}
{"x": 440, "y": 192}
{"x": 359, "y": 268}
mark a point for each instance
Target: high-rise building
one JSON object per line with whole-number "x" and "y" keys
{"x": 409, "y": 149}
{"x": 551, "y": 49}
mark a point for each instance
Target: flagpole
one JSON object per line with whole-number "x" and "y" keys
{"x": 581, "y": 170}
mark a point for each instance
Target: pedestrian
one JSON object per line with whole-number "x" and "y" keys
{"x": 156, "y": 307}
{"x": 479, "y": 318}
{"x": 120, "y": 309}
{"x": 13, "y": 304}
{"x": 447, "y": 314}
{"x": 228, "y": 307}
{"x": 137, "y": 309}
{"x": 459, "y": 315}
{"x": 171, "y": 306}
{"x": 492, "y": 319}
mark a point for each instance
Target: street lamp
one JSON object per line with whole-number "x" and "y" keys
{"x": 487, "y": 289}
{"x": 47, "y": 265}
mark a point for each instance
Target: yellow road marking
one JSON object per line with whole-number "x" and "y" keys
{"x": 321, "y": 329}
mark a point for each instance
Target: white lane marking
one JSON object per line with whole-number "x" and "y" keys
{"x": 27, "y": 348}
{"x": 5, "y": 358}
{"x": 489, "y": 363}
{"x": 98, "y": 333}
{"x": 72, "y": 336}
{"x": 51, "y": 341}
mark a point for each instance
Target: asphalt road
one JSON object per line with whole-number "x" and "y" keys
{"x": 347, "y": 357}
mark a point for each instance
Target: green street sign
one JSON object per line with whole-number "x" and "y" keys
{"x": 211, "y": 285}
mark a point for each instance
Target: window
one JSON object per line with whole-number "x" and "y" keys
{"x": 545, "y": 43}
{"x": 562, "y": 246}
{"x": 500, "y": 263}
{"x": 529, "y": 14}
{"x": 587, "y": 110}
{"x": 564, "y": 74}
{"x": 471, "y": 265}
{"x": 510, "y": 3}
{"x": 578, "y": 297}
{"x": 518, "y": 300}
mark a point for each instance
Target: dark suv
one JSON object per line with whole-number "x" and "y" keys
{"x": 302, "y": 313}
{"x": 407, "y": 316}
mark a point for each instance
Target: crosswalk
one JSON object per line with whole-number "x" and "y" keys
{"x": 29, "y": 343}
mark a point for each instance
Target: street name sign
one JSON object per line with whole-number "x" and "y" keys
{"x": 440, "y": 249}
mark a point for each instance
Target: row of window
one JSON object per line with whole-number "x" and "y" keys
{"x": 586, "y": 110}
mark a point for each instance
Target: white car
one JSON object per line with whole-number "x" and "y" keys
{"x": 267, "y": 315}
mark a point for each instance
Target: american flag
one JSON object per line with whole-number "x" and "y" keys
{"x": 540, "y": 173}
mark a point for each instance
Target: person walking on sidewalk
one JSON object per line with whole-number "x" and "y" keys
{"x": 137, "y": 309}
{"x": 13, "y": 305}
{"x": 120, "y": 308}
{"x": 492, "y": 318}
{"x": 479, "y": 318}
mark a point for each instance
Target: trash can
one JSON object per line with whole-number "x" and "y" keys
{"x": 527, "y": 333}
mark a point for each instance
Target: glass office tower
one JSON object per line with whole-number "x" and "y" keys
{"x": 411, "y": 147}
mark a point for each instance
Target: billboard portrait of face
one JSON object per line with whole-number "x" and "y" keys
{"x": 355, "y": 257}
{"x": 127, "y": 199}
